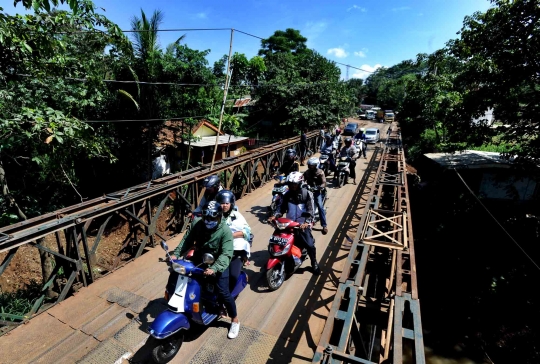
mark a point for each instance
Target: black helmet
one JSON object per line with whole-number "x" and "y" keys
{"x": 211, "y": 181}
{"x": 290, "y": 154}
{"x": 225, "y": 196}
{"x": 348, "y": 142}
{"x": 212, "y": 209}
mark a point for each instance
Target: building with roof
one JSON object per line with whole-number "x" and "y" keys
{"x": 173, "y": 142}
{"x": 489, "y": 174}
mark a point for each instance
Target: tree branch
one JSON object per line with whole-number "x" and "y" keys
{"x": 71, "y": 183}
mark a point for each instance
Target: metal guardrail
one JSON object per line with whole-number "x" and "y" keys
{"x": 375, "y": 315}
{"x": 73, "y": 234}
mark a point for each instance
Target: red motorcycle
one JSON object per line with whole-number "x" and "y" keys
{"x": 285, "y": 257}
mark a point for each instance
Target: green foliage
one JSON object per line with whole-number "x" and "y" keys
{"x": 288, "y": 41}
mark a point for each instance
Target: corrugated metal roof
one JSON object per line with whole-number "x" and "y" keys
{"x": 470, "y": 159}
{"x": 241, "y": 102}
{"x": 211, "y": 141}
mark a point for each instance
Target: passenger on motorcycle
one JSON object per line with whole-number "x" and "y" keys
{"x": 241, "y": 234}
{"x": 213, "y": 186}
{"x": 362, "y": 136}
{"x": 212, "y": 235}
{"x": 328, "y": 148}
{"x": 295, "y": 202}
{"x": 290, "y": 163}
{"x": 349, "y": 150}
{"x": 314, "y": 177}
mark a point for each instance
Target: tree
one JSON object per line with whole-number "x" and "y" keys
{"x": 288, "y": 41}
{"x": 500, "y": 52}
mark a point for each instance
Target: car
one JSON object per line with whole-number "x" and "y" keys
{"x": 389, "y": 116}
{"x": 370, "y": 115}
{"x": 373, "y": 135}
{"x": 350, "y": 129}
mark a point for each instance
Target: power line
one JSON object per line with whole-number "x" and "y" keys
{"x": 147, "y": 120}
{"x": 497, "y": 221}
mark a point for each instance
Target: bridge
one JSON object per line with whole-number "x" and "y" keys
{"x": 363, "y": 308}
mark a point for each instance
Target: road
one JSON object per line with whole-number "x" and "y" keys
{"x": 106, "y": 320}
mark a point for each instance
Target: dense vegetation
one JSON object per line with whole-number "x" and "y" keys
{"x": 53, "y": 67}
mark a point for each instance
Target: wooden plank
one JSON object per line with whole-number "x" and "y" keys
{"x": 398, "y": 326}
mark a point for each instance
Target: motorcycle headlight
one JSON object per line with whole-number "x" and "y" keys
{"x": 282, "y": 225}
{"x": 178, "y": 268}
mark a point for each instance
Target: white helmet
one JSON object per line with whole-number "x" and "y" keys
{"x": 313, "y": 161}
{"x": 295, "y": 177}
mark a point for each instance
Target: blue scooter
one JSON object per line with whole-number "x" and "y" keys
{"x": 191, "y": 298}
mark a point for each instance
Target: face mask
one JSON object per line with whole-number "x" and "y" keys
{"x": 210, "y": 224}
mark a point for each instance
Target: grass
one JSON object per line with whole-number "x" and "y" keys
{"x": 20, "y": 302}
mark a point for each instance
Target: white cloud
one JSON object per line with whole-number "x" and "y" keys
{"x": 402, "y": 8}
{"x": 360, "y": 54}
{"x": 200, "y": 16}
{"x": 312, "y": 30}
{"x": 338, "y": 52}
{"x": 367, "y": 71}
{"x": 363, "y": 10}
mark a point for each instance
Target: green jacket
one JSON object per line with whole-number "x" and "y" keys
{"x": 218, "y": 242}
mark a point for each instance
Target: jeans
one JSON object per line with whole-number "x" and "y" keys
{"x": 235, "y": 267}
{"x": 224, "y": 295}
{"x": 319, "y": 200}
{"x": 305, "y": 239}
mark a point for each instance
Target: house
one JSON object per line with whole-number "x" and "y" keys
{"x": 489, "y": 175}
{"x": 173, "y": 141}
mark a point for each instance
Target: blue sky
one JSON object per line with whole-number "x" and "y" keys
{"x": 362, "y": 33}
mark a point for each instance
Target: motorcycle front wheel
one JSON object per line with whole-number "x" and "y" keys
{"x": 165, "y": 349}
{"x": 274, "y": 278}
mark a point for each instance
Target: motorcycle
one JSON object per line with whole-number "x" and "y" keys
{"x": 285, "y": 256}
{"x": 360, "y": 146}
{"x": 191, "y": 300}
{"x": 343, "y": 171}
{"x": 326, "y": 164}
{"x": 277, "y": 194}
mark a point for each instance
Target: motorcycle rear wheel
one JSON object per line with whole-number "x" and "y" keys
{"x": 166, "y": 349}
{"x": 273, "y": 278}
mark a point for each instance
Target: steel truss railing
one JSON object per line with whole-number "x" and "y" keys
{"x": 73, "y": 234}
{"x": 375, "y": 315}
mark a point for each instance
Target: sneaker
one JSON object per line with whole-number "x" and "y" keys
{"x": 316, "y": 269}
{"x": 233, "y": 331}
{"x": 325, "y": 230}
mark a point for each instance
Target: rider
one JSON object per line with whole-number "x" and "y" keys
{"x": 361, "y": 135}
{"x": 290, "y": 163}
{"x": 213, "y": 186}
{"x": 349, "y": 150}
{"x": 296, "y": 201}
{"x": 303, "y": 146}
{"x": 212, "y": 235}
{"x": 241, "y": 234}
{"x": 314, "y": 177}
{"x": 328, "y": 148}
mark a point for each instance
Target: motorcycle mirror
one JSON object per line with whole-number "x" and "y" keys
{"x": 208, "y": 258}
{"x": 164, "y": 245}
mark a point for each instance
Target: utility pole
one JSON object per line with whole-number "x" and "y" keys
{"x": 347, "y": 73}
{"x": 225, "y": 91}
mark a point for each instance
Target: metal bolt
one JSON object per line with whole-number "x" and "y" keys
{"x": 329, "y": 349}
{"x": 78, "y": 221}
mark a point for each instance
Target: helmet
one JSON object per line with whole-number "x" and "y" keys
{"x": 362, "y": 129}
{"x": 225, "y": 196}
{"x": 212, "y": 209}
{"x": 348, "y": 142}
{"x": 328, "y": 136}
{"x": 295, "y": 177}
{"x": 313, "y": 161}
{"x": 290, "y": 154}
{"x": 211, "y": 181}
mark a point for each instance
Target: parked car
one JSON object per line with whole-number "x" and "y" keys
{"x": 373, "y": 135}
{"x": 350, "y": 129}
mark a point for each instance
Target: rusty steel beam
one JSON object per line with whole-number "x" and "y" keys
{"x": 381, "y": 271}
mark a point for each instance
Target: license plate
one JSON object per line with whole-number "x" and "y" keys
{"x": 278, "y": 240}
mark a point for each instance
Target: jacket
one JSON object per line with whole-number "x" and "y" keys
{"x": 205, "y": 200}
{"x": 218, "y": 242}
{"x": 315, "y": 178}
{"x": 296, "y": 202}
{"x": 236, "y": 222}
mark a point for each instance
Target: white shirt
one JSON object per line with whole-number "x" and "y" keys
{"x": 237, "y": 222}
